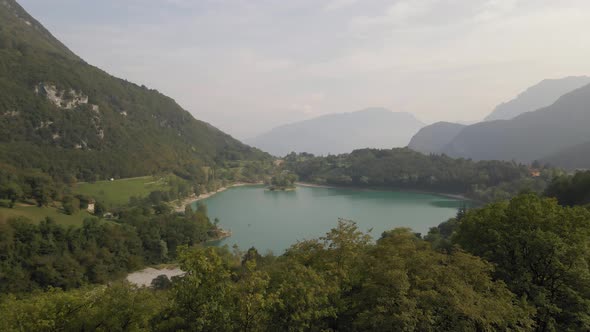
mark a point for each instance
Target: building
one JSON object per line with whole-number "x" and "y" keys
{"x": 91, "y": 204}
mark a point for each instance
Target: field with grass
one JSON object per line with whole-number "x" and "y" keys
{"x": 36, "y": 214}
{"x": 117, "y": 192}
{"x": 110, "y": 193}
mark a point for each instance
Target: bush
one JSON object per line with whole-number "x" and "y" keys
{"x": 161, "y": 282}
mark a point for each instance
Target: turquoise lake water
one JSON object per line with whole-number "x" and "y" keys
{"x": 276, "y": 220}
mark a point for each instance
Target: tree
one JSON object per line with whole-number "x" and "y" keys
{"x": 254, "y": 299}
{"x": 251, "y": 255}
{"x": 203, "y": 297}
{"x": 409, "y": 287}
{"x": 304, "y": 299}
{"x": 461, "y": 212}
{"x": 541, "y": 252}
{"x": 71, "y": 205}
{"x": 161, "y": 282}
{"x": 41, "y": 195}
{"x": 11, "y": 191}
{"x": 403, "y": 168}
{"x": 119, "y": 307}
{"x": 99, "y": 209}
{"x": 570, "y": 190}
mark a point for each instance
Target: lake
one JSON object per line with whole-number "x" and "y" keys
{"x": 275, "y": 220}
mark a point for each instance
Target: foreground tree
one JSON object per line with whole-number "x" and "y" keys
{"x": 340, "y": 282}
{"x": 410, "y": 287}
{"x": 542, "y": 252}
{"x": 203, "y": 297}
{"x": 119, "y": 307}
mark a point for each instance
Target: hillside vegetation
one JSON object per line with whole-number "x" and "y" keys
{"x": 518, "y": 265}
{"x": 555, "y": 134}
{"x": 35, "y": 213}
{"x": 410, "y": 170}
{"x": 63, "y": 121}
{"x": 521, "y": 263}
{"x": 68, "y": 118}
{"x": 531, "y": 135}
{"x": 435, "y": 137}
{"x": 118, "y": 192}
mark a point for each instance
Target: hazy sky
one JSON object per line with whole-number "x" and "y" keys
{"x": 248, "y": 65}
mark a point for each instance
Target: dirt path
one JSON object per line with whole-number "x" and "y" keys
{"x": 145, "y": 276}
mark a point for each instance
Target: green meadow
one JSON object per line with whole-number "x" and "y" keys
{"x": 111, "y": 193}
{"x": 118, "y": 192}
{"x": 36, "y": 214}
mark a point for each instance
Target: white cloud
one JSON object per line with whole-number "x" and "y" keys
{"x": 493, "y": 9}
{"x": 396, "y": 15}
{"x": 339, "y": 4}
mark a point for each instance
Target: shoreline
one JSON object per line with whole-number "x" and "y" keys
{"x": 193, "y": 198}
{"x": 448, "y": 195}
{"x": 222, "y": 234}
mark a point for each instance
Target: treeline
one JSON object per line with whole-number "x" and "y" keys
{"x": 540, "y": 251}
{"x": 519, "y": 265}
{"x": 571, "y": 189}
{"x": 407, "y": 169}
{"x": 36, "y": 256}
{"x": 21, "y": 185}
{"x": 282, "y": 181}
{"x": 35, "y": 186}
{"x": 339, "y": 282}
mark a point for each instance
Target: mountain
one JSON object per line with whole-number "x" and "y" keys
{"x": 435, "y": 137}
{"x": 531, "y": 135}
{"x": 340, "y": 133}
{"x": 64, "y": 116}
{"x": 541, "y": 95}
{"x": 572, "y": 157}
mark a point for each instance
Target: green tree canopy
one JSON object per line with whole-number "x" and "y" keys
{"x": 541, "y": 250}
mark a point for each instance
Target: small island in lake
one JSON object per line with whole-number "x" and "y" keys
{"x": 284, "y": 181}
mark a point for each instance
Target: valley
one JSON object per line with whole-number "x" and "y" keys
{"x": 121, "y": 210}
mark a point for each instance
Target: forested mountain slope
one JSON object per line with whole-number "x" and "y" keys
{"x": 64, "y": 116}
{"x": 530, "y": 136}
{"x": 435, "y": 137}
{"x": 571, "y": 158}
{"x": 490, "y": 139}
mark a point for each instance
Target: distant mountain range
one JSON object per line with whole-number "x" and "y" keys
{"x": 435, "y": 137}
{"x": 64, "y": 116}
{"x": 340, "y": 133}
{"x": 558, "y": 134}
{"x": 540, "y": 95}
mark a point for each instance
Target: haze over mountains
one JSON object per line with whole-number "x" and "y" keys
{"x": 60, "y": 114}
{"x": 341, "y": 133}
{"x": 557, "y": 133}
{"x": 435, "y": 137}
{"x": 540, "y": 95}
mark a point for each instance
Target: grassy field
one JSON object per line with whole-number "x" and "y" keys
{"x": 37, "y": 214}
{"x": 111, "y": 193}
{"x": 118, "y": 192}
